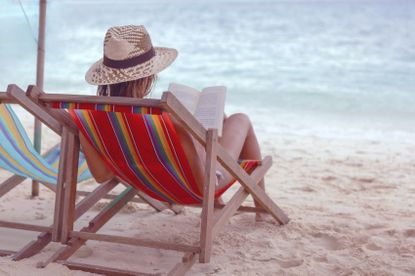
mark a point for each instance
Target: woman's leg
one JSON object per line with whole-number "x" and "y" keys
{"x": 235, "y": 131}
{"x": 239, "y": 139}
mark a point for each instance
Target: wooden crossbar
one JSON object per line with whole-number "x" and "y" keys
{"x": 92, "y": 197}
{"x": 135, "y": 241}
{"x": 10, "y": 183}
{"x": 108, "y": 196}
{"x": 4, "y": 253}
{"x": 25, "y": 226}
{"x": 103, "y": 270}
{"x": 5, "y": 97}
{"x": 50, "y": 98}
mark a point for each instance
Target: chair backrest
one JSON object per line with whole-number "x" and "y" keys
{"x": 18, "y": 155}
{"x": 141, "y": 147}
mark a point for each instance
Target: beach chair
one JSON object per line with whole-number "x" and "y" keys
{"x": 138, "y": 141}
{"x": 17, "y": 155}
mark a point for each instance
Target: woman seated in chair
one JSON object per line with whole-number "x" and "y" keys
{"x": 129, "y": 69}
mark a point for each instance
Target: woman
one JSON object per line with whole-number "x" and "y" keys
{"x": 128, "y": 69}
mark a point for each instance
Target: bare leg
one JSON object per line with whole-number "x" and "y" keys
{"x": 235, "y": 131}
{"x": 239, "y": 139}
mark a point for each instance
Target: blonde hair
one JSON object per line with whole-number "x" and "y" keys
{"x": 136, "y": 88}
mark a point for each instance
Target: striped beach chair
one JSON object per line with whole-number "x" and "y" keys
{"x": 137, "y": 139}
{"x": 141, "y": 147}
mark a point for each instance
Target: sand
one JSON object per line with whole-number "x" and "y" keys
{"x": 351, "y": 205}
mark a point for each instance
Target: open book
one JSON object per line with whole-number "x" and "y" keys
{"x": 207, "y": 106}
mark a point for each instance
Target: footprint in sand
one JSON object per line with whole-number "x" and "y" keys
{"x": 376, "y": 226}
{"x": 305, "y": 189}
{"x": 410, "y": 233}
{"x": 83, "y": 252}
{"x": 364, "y": 179}
{"x": 329, "y": 178}
{"x": 390, "y": 232}
{"x": 39, "y": 216}
{"x": 287, "y": 263}
{"x": 328, "y": 242}
{"x": 321, "y": 259}
{"x": 373, "y": 246}
{"x": 353, "y": 165}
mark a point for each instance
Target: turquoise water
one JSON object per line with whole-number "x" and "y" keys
{"x": 324, "y": 68}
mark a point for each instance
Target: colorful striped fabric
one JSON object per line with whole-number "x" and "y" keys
{"x": 52, "y": 158}
{"x": 18, "y": 155}
{"x": 144, "y": 150}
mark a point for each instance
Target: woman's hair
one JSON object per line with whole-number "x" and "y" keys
{"x": 136, "y": 88}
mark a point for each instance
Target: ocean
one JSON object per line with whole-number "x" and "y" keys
{"x": 335, "y": 69}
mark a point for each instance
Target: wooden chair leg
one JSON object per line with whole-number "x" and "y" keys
{"x": 96, "y": 223}
{"x": 33, "y": 247}
{"x": 181, "y": 268}
{"x": 249, "y": 185}
{"x": 206, "y": 238}
{"x": 60, "y": 187}
{"x": 71, "y": 176}
{"x": 177, "y": 209}
{"x": 81, "y": 208}
{"x": 239, "y": 197}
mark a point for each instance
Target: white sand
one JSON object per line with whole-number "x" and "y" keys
{"x": 351, "y": 205}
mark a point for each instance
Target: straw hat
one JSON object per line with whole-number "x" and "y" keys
{"x": 128, "y": 55}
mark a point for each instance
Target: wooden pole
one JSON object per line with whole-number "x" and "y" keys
{"x": 40, "y": 66}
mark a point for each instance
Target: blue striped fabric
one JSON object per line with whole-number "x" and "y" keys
{"x": 18, "y": 155}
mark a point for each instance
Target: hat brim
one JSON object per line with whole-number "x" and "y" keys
{"x": 99, "y": 74}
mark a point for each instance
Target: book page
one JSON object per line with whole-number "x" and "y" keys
{"x": 210, "y": 110}
{"x": 188, "y": 96}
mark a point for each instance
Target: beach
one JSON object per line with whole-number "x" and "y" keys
{"x": 329, "y": 88}
{"x": 350, "y": 203}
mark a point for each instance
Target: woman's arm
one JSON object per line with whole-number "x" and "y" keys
{"x": 96, "y": 165}
{"x": 191, "y": 153}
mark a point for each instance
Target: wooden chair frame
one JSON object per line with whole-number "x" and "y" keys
{"x": 52, "y": 232}
{"x": 211, "y": 221}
